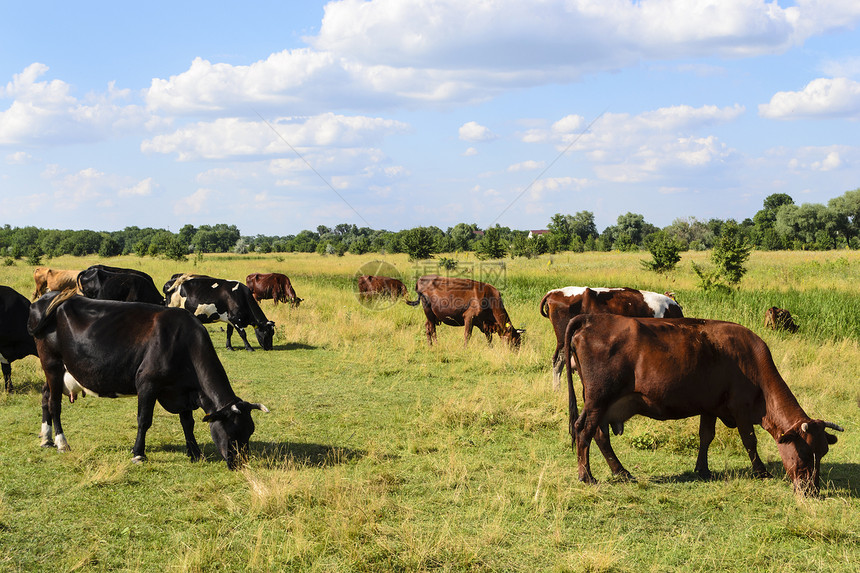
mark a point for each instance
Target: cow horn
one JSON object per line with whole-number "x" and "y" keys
{"x": 833, "y": 426}
{"x": 235, "y": 408}
{"x": 255, "y": 406}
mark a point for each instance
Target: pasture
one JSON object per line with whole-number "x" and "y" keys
{"x": 383, "y": 454}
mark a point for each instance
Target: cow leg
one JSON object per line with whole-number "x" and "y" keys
{"x": 46, "y": 434}
{"x": 601, "y": 437}
{"x": 745, "y": 429}
{"x": 243, "y": 336}
{"x": 707, "y": 431}
{"x": 145, "y": 407}
{"x": 585, "y": 428}
{"x": 430, "y": 328}
{"x": 557, "y": 369}
{"x": 186, "y": 417}
{"x": 229, "y": 336}
{"x": 55, "y": 406}
{"x": 7, "y": 374}
{"x": 467, "y": 334}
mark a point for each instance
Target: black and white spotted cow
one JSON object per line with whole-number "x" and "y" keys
{"x": 212, "y": 299}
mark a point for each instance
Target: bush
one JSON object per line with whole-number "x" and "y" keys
{"x": 731, "y": 252}
{"x": 665, "y": 252}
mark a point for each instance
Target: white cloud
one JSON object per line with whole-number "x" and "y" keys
{"x": 197, "y": 202}
{"x": 19, "y": 158}
{"x": 818, "y": 159}
{"x": 631, "y": 148}
{"x": 823, "y": 97}
{"x": 140, "y": 189}
{"x": 474, "y": 132}
{"x": 45, "y": 112}
{"x": 470, "y": 152}
{"x": 238, "y": 138}
{"x": 530, "y": 165}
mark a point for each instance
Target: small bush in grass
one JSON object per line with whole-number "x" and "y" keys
{"x": 665, "y": 252}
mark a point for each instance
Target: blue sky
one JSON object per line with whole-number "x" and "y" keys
{"x": 281, "y": 116}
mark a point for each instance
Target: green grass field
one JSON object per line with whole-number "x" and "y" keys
{"x": 382, "y": 454}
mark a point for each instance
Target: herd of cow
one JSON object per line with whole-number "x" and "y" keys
{"x": 107, "y": 331}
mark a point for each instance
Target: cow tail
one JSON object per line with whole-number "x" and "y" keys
{"x": 416, "y": 301}
{"x": 543, "y": 307}
{"x": 570, "y": 352}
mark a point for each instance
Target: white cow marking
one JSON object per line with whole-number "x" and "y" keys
{"x": 62, "y": 444}
{"x": 73, "y": 387}
{"x": 206, "y": 309}
{"x": 576, "y": 290}
{"x": 658, "y": 303}
{"x": 236, "y": 287}
{"x": 214, "y": 285}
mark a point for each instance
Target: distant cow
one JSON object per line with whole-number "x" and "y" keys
{"x": 212, "y": 299}
{"x": 15, "y": 341}
{"x": 464, "y": 302}
{"x": 111, "y": 349}
{"x": 562, "y": 304}
{"x": 53, "y": 279}
{"x": 672, "y": 369}
{"x": 370, "y": 285}
{"x": 115, "y": 283}
{"x": 779, "y": 319}
{"x": 275, "y": 286}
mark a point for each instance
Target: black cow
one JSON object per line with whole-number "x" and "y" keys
{"x": 115, "y": 283}
{"x": 15, "y": 342}
{"x": 211, "y": 300}
{"x": 110, "y": 349}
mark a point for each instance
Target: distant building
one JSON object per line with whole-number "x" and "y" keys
{"x": 533, "y": 234}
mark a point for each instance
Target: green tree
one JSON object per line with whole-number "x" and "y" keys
{"x": 418, "y": 243}
{"x": 847, "y": 207}
{"x": 730, "y": 253}
{"x": 665, "y": 252}
{"x": 491, "y": 245}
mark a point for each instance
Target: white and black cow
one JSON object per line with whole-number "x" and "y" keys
{"x": 15, "y": 342}
{"x": 211, "y": 300}
{"x": 111, "y": 349}
{"x": 116, "y": 283}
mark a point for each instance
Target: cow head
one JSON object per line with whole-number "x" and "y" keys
{"x": 231, "y": 430}
{"x": 512, "y": 335}
{"x": 801, "y": 449}
{"x": 265, "y": 334}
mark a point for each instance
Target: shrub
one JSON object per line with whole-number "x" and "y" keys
{"x": 665, "y": 252}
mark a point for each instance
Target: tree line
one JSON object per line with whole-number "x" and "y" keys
{"x": 780, "y": 224}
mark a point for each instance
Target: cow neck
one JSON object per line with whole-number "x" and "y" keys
{"x": 783, "y": 410}
{"x": 212, "y": 405}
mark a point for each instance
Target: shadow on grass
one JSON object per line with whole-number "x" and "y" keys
{"x": 294, "y": 346}
{"x": 834, "y": 477}
{"x": 274, "y": 455}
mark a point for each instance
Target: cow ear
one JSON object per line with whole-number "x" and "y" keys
{"x": 213, "y": 417}
{"x": 831, "y": 439}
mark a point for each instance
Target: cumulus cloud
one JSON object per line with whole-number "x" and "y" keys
{"x": 631, "y": 148}
{"x": 823, "y": 97}
{"x": 46, "y": 112}
{"x": 530, "y": 165}
{"x": 237, "y": 138}
{"x": 140, "y": 189}
{"x": 19, "y": 158}
{"x": 197, "y": 202}
{"x": 821, "y": 159}
{"x": 473, "y": 132}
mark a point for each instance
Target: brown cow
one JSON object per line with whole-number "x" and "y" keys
{"x": 370, "y": 285}
{"x": 53, "y": 279}
{"x": 562, "y": 304}
{"x": 464, "y": 302}
{"x": 672, "y": 369}
{"x": 275, "y": 286}
{"x": 779, "y": 319}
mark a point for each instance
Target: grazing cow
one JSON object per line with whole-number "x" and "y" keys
{"x": 560, "y": 305}
{"x": 369, "y": 286}
{"x": 464, "y": 302}
{"x": 15, "y": 342}
{"x": 211, "y": 299}
{"x": 114, "y": 283}
{"x": 53, "y": 279}
{"x": 779, "y": 319}
{"x": 110, "y": 349}
{"x": 673, "y": 369}
{"x": 275, "y": 286}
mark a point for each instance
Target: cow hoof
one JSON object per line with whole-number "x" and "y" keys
{"x": 704, "y": 474}
{"x": 138, "y": 459}
{"x": 624, "y": 476}
{"x": 764, "y": 474}
{"x": 47, "y": 443}
{"x": 587, "y": 479}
